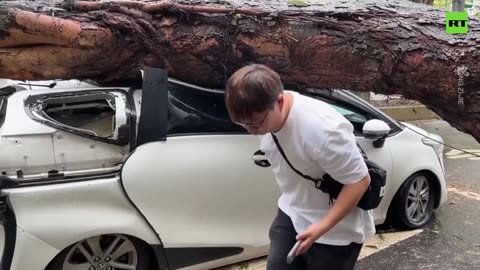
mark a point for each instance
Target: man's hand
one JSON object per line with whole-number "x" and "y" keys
{"x": 309, "y": 236}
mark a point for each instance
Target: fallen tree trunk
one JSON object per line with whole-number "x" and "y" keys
{"x": 382, "y": 46}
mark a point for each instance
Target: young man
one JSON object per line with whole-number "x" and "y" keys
{"x": 316, "y": 140}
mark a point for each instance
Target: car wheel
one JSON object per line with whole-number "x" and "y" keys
{"x": 412, "y": 206}
{"x": 105, "y": 252}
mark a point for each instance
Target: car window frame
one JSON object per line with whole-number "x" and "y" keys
{"x": 229, "y": 130}
{"x": 349, "y": 108}
{"x": 342, "y": 100}
{"x": 392, "y": 123}
{"x": 3, "y": 110}
{"x": 335, "y": 98}
{"x": 32, "y": 109}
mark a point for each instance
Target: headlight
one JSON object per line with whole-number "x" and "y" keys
{"x": 435, "y": 141}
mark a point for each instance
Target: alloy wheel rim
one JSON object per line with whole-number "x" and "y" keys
{"x": 418, "y": 200}
{"x": 106, "y": 252}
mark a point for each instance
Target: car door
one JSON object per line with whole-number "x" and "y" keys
{"x": 200, "y": 188}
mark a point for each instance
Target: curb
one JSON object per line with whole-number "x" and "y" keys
{"x": 409, "y": 112}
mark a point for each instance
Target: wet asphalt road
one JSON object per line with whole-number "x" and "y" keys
{"x": 452, "y": 239}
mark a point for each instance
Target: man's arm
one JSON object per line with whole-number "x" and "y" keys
{"x": 345, "y": 202}
{"x": 340, "y": 157}
{"x": 348, "y": 198}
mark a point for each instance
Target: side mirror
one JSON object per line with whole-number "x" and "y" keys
{"x": 376, "y": 130}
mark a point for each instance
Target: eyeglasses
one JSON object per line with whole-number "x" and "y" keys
{"x": 254, "y": 125}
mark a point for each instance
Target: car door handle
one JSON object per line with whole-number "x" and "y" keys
{"x": 260, "y": 160}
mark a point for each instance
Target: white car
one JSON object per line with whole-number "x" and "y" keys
{"x": 118, "y": 178}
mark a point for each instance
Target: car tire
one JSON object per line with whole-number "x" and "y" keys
{"x": 124, "y": 250}
{"x": 412, "y": 206}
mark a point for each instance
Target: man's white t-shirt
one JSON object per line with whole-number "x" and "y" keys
{"x": 317, "y": 140}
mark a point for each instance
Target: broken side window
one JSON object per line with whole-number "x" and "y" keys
{"x": 96, "y": 116}
{"x": 100, "y": 115}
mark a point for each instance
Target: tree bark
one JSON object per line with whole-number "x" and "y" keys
{"x": 388, "y": 47}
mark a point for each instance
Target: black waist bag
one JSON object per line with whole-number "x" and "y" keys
{"x": 372, "y": 196}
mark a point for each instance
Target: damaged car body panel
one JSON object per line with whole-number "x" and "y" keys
{"x": 66, "y": 133}
{"x": 87, "y": 133}
{"x": 94, "y": 206}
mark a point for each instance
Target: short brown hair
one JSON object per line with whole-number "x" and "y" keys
{"x": 252, "y": 88}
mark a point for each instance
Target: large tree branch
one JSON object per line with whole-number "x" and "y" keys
{"x": 381, "y": 46}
